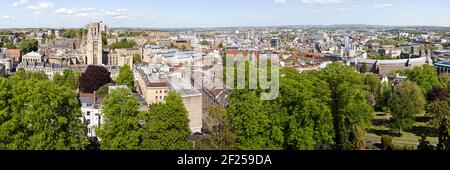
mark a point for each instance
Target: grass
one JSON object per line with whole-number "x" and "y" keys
{"x": 380, "y": 127}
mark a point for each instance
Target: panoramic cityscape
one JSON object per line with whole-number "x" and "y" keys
{"x": 225, "y": 75}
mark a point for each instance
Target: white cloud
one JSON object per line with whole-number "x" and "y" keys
{"x": 323, "y": 2}
{"x": 93, "y": 13}
{"x": 41, "y": 6}
{"x": 19, "y": 2}
{"x": 7, "y": 17}
{"x": 279, "y": 1}
{"x": 383, "y": 5}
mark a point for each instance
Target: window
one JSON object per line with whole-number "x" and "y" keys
{"x": 156, "y": 91}
{"x": 156, "y": 97}
{"x": 88, "y": 113}
{"x": 88, "y": 121}
{"x": 160, "y": 97}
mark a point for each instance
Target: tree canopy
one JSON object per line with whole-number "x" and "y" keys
{"x": 93, "y": 78}
{"x": 126, "y": 77}
{"x": 38, "y": 114}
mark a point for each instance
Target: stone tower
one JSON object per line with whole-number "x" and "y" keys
{"x": 94, "y": 48}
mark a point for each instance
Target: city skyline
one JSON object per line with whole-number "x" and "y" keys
{"x": 232, "y": 13}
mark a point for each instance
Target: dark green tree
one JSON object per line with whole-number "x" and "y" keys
{"x": 27, "y": 46}
{"x": 351, "y": 113}
{"x": 38, "y": 114}
{"x": 166, "y": 125}
{"x": 121, "y": 129}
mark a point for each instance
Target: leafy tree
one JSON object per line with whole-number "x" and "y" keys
{"x": 251, "y": 122}
{"x": 424, "y": 144}
{"x": 351, "y": 113}
{"x": 386, "y": 142}
{"x": 104, "y": 39}
{"x": 68, "y": 79}
{"x": 204, "y": 42}
{"x": 438, "y": 94}
{"x": 373, "y": 84}
{"x": 364, "y": 68}
{"x": 9, "y": 46}
{"x": 407, "y": 101}
{"x": 438, "y": 111}
{"x": 425, "y": 77}
{"x": 220, "y": 135}
{"x": 444, "y": 135}
{"x": 126, "y": 77}
{"x": 93, "y": 78}
{"x": 166, "y": 125}
{"x": 137, "y": 58}
{"x": 38, "y": 114}
{"x": 121, "y": 129}
{"x": 303, "y": 102}
{"x": 384, "y": 98}
{"x": 27, "y": 46}
{"x": 123, "y": 44}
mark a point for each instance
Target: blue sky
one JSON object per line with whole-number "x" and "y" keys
{"x": 218, "y": 13}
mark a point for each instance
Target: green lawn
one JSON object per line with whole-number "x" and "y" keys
{"x": 380, "y": 127}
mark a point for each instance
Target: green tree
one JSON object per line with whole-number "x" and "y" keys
{"x": 121, "y": 129}
{"x": 364, "y": 68}
{"x": 373, "y": 84}
{"x": 68, "y": 78}
{"x": 126, "y": 77}
{"x": 303, "y": 102}
{"x": 220, "y": 134}
{"x": 204, "y": 42}
{"x": 251, "y": 122}
{"x": 351, "y": 113}
{"x": 425, "y": 77}
{"x": 166, "y": 125}
{"x": 137, "y": 59}
{"x": 438, "y": 111}
{"x": 38, "y": 114}
{"x": 123, "y": 44}
{"x": 407, "y": 102}
{"x": 27, "y": 46}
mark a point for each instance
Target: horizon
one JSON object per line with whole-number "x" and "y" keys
{"x": 218, "y": 14}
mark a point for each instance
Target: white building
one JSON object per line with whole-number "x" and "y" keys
{"x": 91, "y": 111}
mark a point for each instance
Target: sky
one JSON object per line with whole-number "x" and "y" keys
{"x": 221, "y": 13}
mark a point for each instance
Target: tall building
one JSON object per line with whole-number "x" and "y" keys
{"x": 94, "y": 48}
{"x": 347, "y": 42}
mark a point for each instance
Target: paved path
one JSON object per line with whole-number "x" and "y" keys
{"x": 374, "y": 139}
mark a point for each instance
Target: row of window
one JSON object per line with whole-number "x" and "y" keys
{"x": 160, "y": 91}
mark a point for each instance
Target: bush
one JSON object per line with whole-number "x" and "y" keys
{"x": 386, "y": 142}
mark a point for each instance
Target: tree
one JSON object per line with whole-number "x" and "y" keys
{"x": 166, "y": 125}
{"x": 68, "y": 79}
{"x": 351, "y": 113}
{"x": 438, "y": 94}
{"x": 220, "y": 134}
{"x": 137, "y": 58}
{"x": 126, "y": 77}
{"x": 38, "y": 114}
{"x": 425, "y": 77}
{"x": 438, "y": 111}
{"x": 373, "y": 84}
{"x": 93, "y": 78}
{"x": 121, "y": 129}
{"x": 123, "y": 44}
{"x": 384, "y": 98}
{"x": 444, "y": 135}
{"x": 386, "y": 142}
{"x": 252, "y": 125}
{"x": 364, "y": 68}
{"x": 303, "y": 104}
{"x": 407, "y": 101}
{"x": 204, "y": 42}
{"x": 27, "y": 46}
